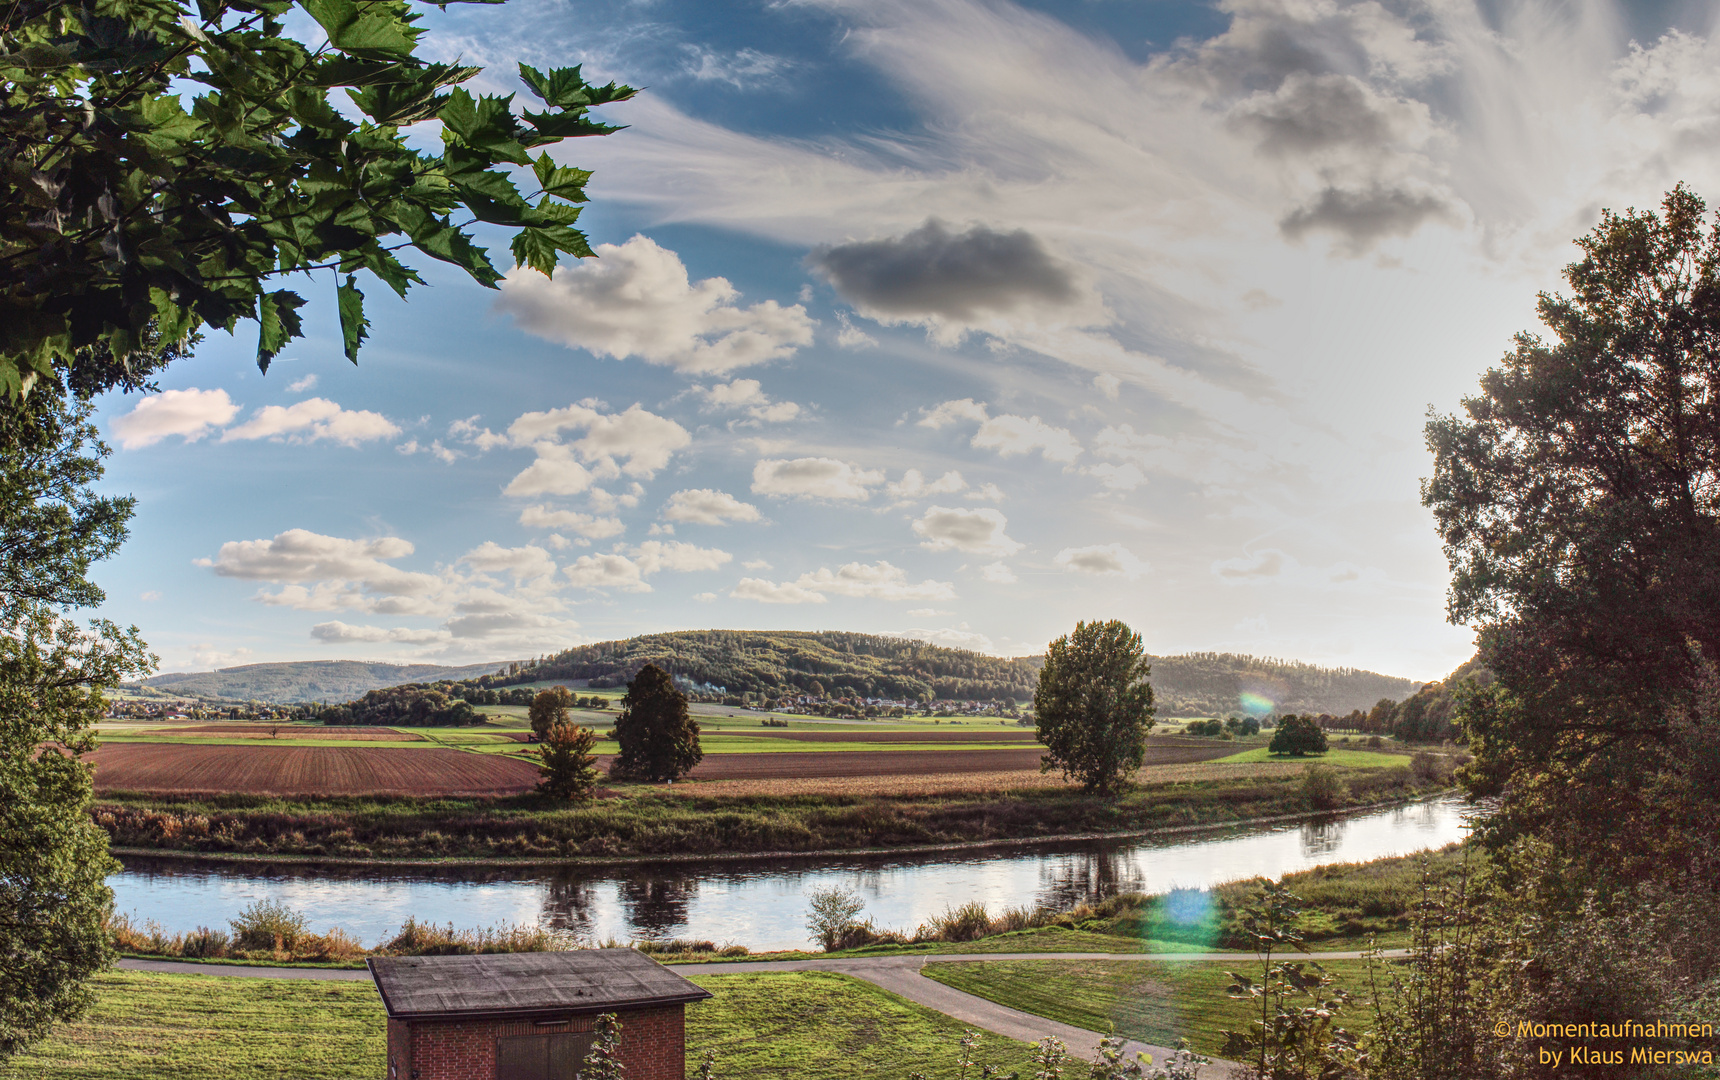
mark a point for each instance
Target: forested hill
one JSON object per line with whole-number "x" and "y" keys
{"x": 792, "y": 661}
{"x": 837, "y": 663}
{"x": 1213, "y": 684}
{"x": 308, "y": 680}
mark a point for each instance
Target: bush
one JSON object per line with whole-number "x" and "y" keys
{"x": 1375, "y": 742}
{"x": 268, "y": 924}
{"x": 831, "y": 916}
{"x": 1296, "y": 736}
{"x": 1323, "y": 788}
{"x": 969, "y": 922}
{"x": 204, "y": 944}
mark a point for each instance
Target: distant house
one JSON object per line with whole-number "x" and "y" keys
{"x": 529, "y": 1016}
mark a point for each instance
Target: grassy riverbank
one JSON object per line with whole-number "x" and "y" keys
{"x": 647, "y": 821}
{"x": 201, "y": 1027}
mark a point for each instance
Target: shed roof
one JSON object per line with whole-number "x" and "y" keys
{"x": 512, "y": 984}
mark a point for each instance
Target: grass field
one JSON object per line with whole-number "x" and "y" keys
{"x": 1152, "y": 1001}
{"x": 1350, "y": 759}
{"x": 199, "y": 1027}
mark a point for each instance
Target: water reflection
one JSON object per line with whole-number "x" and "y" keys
{"x": 762, "y": 903}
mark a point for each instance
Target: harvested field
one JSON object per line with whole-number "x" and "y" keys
{"x": 981, "y": 735}
{"x": 970, "y": 783}
{"x": 288, "y": 731}
{"x": 772, "y": 766}
{"x": 306, "y": 770}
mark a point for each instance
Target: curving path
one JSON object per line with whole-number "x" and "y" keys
{"x": 897, "y": 974}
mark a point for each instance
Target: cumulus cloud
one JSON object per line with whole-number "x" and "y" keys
{"x": 1104, "y": 559}
{"x": 525, "y": 563}
{"x": 299, "y": 386}
{"x": 954, "y": 412}
{"x": 947, "y": 280}
{"x": 312, "y": 420}
{"x": 586, "y": 525}
{"x": 626, "y": 567}
{"x": 435, "y": 450}
{"x": 1361, "y": 217}
{"x": 1008, "y": 434}
{"x": 554, "y": 472}
{"x": 298, "y": 556}
{"x": 190, "y": 414}
{"x": 998, "y": 574}
{"x": 977, "y": 531}
{"x": 814, "y": 478}
{"x": 636, "y": 300}
{"x": 634, "y": 443}
{"x": 336, "y": 632}
{"x": 851, "y": 336}
{"x": 607, "y": 571}
{"x": 748, "y": 396}
{"x": 1313, "y": 113}
{"x": 914, "y": 485}
{"x": 707, "y": 506}
{"x": 872, "y": 581}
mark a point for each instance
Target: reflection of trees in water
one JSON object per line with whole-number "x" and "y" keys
{"x": 1088, "y": 876}
{"x": 1322, "y": 837}
{"x": 657, "y": 906}
{"x": 569, "y": 904}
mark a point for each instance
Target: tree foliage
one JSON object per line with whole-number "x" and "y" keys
{"x": 1297, "y": 736}
{"x": 1578, "y": 498}
{"x": 408, "y": 705}
{"x": 129, "y": 212}
{"x": 548, "y": 709}
{"x": 564, "y": 758}
{"x": 1094, "y": 705}
{"x": 658, "y": 737}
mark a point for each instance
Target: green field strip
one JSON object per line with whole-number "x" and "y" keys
{"x": 1352, "y": 759}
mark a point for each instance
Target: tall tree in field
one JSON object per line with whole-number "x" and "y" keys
{"x": 548, "y": 709}
{"x": 564, "y": 758}
{"x": 1095, "y": 705}
{"x": 1579, "y": 502}
{"x": 658, "y": 737}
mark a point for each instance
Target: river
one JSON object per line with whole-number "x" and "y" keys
{"x": 761, "y": 903}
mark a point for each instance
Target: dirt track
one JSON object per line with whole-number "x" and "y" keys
{"x": 305, "y": 770}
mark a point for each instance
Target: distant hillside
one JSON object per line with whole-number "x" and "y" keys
{"x": 1213, "y": 684}
{"x": 776, "y": 662}
{"x": 309, "y": 680}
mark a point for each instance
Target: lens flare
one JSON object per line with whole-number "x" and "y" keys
{"x": 1255, "y": 704}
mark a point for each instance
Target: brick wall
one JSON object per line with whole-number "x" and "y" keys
{"x": 652, "y": 1047}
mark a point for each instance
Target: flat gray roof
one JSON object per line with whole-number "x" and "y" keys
{"x": 510, "y": 984}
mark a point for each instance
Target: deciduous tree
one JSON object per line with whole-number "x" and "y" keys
{"x": 1094, "y": 705}
{"x": 548, "y": 709}
{"x": 658, "y": 737}
{"x": 1297, "y": 736}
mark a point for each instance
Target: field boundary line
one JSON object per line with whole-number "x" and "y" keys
{"x": 649, "y": 859}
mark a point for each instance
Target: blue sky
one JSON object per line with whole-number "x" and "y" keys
{"x": 951, "y": 319}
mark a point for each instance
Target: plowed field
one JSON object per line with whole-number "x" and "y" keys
{"x": 287, "y": 731}
{"x": 767, "y": 766}
{"x": 306, "y": 770}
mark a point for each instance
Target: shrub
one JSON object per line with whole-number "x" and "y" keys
{"x": 268, "y": 924}
{"x": 1375, "y": 742}
{"x": 1323, "y": 788}
{"x": 969, "y": 922}
{"x": 204, "y": 944}
{"x": 831, "y": 915}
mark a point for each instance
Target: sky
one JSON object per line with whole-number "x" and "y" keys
{"x": 950, "y": 319}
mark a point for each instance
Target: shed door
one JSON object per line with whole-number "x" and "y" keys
{"x": 542, "y": 1057}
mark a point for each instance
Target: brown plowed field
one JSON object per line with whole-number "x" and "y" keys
{"x": 288, "y": 731}
{"x": 306, "y": 770}
{"x": 1023, "y": 737}
{"x": 789, "y": 765}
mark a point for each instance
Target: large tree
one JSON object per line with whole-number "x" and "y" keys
{"x": 1579, "y": 501}
{"x": 658, "y": 737}
{"x": 125, "y": 214}
{"x": 54, "y": 901}
{"x": 1095, "y": 705}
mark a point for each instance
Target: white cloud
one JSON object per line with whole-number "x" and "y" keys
{"x": 949, "y": 637}
{"x": 872, "y": 581}
{"x": 1008, "y": 434}
{"x": 299, "y": 386}
{"x": 609, "y": 571}
{"x": 312, "y": 420}
{"x": 747, "y": 395}
{"x": 707, "y": 506}
{"x": 435, "y": 450}
{"x": 594, "y": 528}
{"x": 555, "y": 472}
{"x": 914, "y": 485}
{"x": 206, "y": 655}
{"x": 190, "y": 414}
{"x": 635, "y": 299}
{"x": 924, "y": 612}
{"x": 1267, "y": 563}
{"x": 1108, "y": 384}
{"x": 298, "y": 556}
{"x": 1103, "y": 559}
{"x": 986, "y": 492}
{"x": 1126, "y": 477}
{"x": 527, "y": 563}
{"x": 336, "y": 632}
{"x": 978, "y": 531}
{"x": 482, "y": 438}
{"x": 757, "y": 564}
{"x": 997, "y": 573}
{"x": 677, "y": 556}
{"x": 851, "y": 336}
{"x": 635, "y": 443}
{"x": 150, "y": 595}
{"x": 766, "y": 592}
{"x": 626, "y": 566}
{"x": 814, "y": 478}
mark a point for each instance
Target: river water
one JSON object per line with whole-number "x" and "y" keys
{"x": 762, "y": 903}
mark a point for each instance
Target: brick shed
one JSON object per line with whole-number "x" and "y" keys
{"x": 529, "y": 1016}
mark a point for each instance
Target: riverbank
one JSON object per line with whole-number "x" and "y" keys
{"x": 648, "y": 824}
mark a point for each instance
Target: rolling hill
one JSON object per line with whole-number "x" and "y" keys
{"x": 777, "y": 662}
{"x": 308, "y": 680}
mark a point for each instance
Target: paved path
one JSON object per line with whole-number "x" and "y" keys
{"x": 897, "y": 974}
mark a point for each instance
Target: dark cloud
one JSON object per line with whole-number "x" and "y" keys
{"x": 1363, "y": 217}
{"x": 1310, "y": 113}
{"x": 935, "y": 272}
